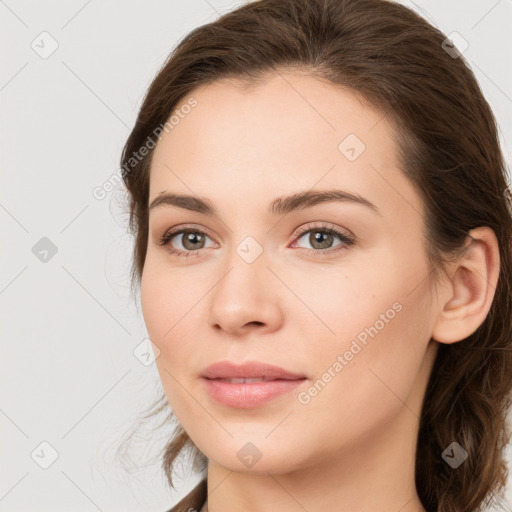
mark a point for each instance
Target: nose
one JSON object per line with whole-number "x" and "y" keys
{"x": 246, "y": 298}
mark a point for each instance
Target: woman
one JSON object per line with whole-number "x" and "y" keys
{"x": 323, "y": 249}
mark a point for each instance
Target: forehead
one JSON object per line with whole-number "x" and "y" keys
{"x": 289, "y": 132}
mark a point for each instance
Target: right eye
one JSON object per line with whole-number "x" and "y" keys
{"x": 191, "y": 240}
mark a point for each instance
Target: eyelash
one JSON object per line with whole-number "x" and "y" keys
{"x": 345, "y": 239}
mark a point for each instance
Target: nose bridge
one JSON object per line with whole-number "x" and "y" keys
{"x": 246, "y": 269}
{"x": 245, "y": 293}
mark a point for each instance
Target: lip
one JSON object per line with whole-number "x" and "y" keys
{"x": 278, "y": 381}
{"x": 251, "y": 369}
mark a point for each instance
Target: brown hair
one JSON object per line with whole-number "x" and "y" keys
{"x": 449, "y": 149}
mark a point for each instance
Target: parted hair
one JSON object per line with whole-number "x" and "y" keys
{"x": 448, "y": 146}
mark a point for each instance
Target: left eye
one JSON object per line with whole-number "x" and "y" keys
{"x": 191, "y": 240}
{"x": 322, "y": 238}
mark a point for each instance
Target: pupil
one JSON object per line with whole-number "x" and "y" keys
{"x": 193, "y": 238}
{"x": 321, "y": 238}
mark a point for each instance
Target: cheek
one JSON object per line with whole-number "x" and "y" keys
{"x": 381, "y": 293}
{"x": 167, "y": 302}
{"x": 168, "y": 295}
{"x": 168, "y": 308}
{"x": 361, "y": 386}
{"x": 156, "y": 303}
{"x": 379, "y": 328}
{"x": 337, "y": 302}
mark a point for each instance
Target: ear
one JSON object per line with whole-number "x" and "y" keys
{"x": 471, "y": 288}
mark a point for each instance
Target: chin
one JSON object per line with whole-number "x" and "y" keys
{"x": 256, "y": 458}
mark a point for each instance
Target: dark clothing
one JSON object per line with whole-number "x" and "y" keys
{"x": 194, "y": 501}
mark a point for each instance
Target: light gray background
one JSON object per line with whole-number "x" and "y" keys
{"x": 68, "y": 373}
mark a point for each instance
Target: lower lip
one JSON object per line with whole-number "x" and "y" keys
{"x": 249, "y": 394}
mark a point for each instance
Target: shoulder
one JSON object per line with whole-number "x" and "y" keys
{"x": 194, "y": 500}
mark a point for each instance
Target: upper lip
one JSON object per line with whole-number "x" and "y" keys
{"x": 251, "y": 369}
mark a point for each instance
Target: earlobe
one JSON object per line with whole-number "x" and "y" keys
{"x": 471, "y": 289}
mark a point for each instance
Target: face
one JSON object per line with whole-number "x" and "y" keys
{"x": 335, "y": 291}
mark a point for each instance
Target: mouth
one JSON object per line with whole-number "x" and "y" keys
{"x": 251, "y": 371}
{"x": 250, "y": 380}
{"x": 244, "y": 395}
{"x": 251, "y": 384}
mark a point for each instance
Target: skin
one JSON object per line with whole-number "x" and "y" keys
{"x": 352, "y": 447}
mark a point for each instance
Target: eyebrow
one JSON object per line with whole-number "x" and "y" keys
{"x": 279, "y": 206}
